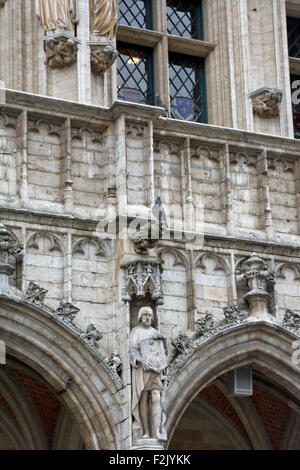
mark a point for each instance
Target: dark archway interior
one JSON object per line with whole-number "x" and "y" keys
{"x": 32, "y": 415}
{"x": 216, "y": 421}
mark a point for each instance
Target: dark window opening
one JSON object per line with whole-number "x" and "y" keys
{"x": 136, "y": 13}
{"x": 187, "y": 88}
{"x": 295, "y": 89}
{"x": 135, "y": 74}
{"x": 184, "y": 18}
{"x": 293, "y": 27}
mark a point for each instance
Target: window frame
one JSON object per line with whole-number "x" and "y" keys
{"x": 202, "y": 83}
{"x": 148, "y": 15}
{"x": 149, "y": 68}
{"x": 199, "y": 16}
{"x": 162, "y": 44}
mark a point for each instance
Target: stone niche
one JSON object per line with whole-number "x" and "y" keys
{"x": 141, "y": 286}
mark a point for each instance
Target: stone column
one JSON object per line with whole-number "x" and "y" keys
{"x": 250, "y": 60}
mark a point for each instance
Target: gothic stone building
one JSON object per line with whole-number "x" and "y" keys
{"x": 137, "y": 114}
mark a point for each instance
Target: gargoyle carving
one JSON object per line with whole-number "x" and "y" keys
{"x": 266, "y": 102}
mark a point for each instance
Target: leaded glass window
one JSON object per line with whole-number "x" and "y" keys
{"x": 184, "y": 18}
{"x": 136, "y": 13}
{"x": 293, "y": 25}
{"x": 295, "y": 89}
{"x": 135, "y": 74}
{"x": 187, "y": 88}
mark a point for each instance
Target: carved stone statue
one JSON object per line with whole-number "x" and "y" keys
{"x": 148, "y": 356}
{"x": 103, "y": 18}
{"x": 57, "y": 16}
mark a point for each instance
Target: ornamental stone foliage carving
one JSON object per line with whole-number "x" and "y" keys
{"x": 260, "y": 280}
{"x": 114, "y": 362}
{"x": 140, "y": 278}
{"x": 92, "y": 336}
{"x": 233, "y": 315}
{"x": 64, "y": 316}
{"x": 204, "y": 325}
{"x": 35, "y": 293}
{"x": 291, "y": 320}
{"x": 60, "y": 50}
{"x": 185, "y": 347}
{"x": 182, "y": 344}
{"x": 66, "y": 312}
{"x": 266, "y": 102}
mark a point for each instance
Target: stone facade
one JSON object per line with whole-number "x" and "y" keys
{"x": 79, "y": 170}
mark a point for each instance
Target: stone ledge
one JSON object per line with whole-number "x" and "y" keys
{"x": 175, "y": 128}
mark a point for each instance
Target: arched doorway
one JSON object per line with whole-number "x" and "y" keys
{"x": 32, "y": 415}
{"x": 203, "y": 416}
{"x": 45, "y": 354}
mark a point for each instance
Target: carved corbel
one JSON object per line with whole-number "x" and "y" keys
{"x": 266, "y": 102}
{"x": 103, "y": 55}
{"x": 61, "y": 50}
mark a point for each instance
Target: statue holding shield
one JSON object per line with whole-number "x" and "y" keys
{"x": 148, "y": 355}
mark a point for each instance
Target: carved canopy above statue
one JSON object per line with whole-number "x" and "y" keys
{"x": 57, "y": 15}
{"x": 103, "y": 18}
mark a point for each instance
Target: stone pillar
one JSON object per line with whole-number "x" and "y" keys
{"x": 250, "y": 58}
{"x": 141, "y": 288}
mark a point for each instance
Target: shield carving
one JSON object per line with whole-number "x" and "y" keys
{"x": 153, "y": 351}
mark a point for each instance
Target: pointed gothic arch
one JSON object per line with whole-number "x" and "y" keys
{"x": 264, "y": 346}
{"x": 32, "y": 336}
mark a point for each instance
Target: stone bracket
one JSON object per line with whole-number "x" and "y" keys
{"x": 266, "y": 102}
{"x": 61, "y": 50}
{"x": 103, "y": 55}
